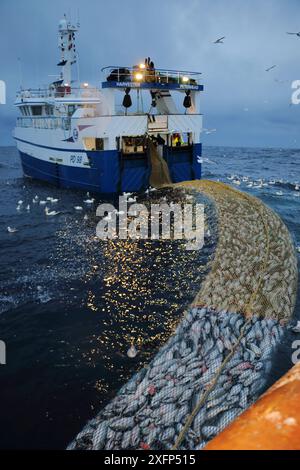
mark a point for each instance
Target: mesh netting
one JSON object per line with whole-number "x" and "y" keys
{"x": 216, "y": 363}
{"x": 160, "y": 175}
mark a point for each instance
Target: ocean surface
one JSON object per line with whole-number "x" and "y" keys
{"x": 70, "y": 307}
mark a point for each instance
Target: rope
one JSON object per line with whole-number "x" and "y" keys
{"x": 203, "y": 399}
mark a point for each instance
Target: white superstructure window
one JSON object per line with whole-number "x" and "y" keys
{"x": 36, "y": 110}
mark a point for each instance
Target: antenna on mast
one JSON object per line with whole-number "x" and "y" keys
{"x": 66, "y": 44}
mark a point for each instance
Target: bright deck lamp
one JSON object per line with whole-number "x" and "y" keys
{"x": 139, "y": 76}
{"x": 185, "y": 79}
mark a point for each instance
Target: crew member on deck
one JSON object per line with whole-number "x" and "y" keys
{"x": 176, "y": 139}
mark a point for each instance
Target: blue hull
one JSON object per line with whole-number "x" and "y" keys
{"x": 109, "y": 173}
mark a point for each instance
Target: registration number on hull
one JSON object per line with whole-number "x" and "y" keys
{"x": 76, "y": 159}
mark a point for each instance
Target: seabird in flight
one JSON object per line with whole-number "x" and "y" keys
{"x": 220, "y": 40}
{"x": 271, "y": 68}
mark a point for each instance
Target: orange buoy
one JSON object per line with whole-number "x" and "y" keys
{"x": 272, "y": 423}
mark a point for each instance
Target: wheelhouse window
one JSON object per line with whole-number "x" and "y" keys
{"x": 24, "y": 110}
{"x": 36, "y": 110}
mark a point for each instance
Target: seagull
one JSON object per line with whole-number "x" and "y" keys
{"x": 85, "y": 217}
{"x": 271, "y": 68}
{"x": 132, "y": 351}
{"x": 34, "y": 201}
{"x": 54, "y": 200}
{"x": 78, "y": 208}
{"x": 28, "y": 207}
{"x": 11, "y": 230}
{"x": 295, "y": 34}
{"x": 50, "y": 213}
{"x": 20, "y": 203}
{"x": 297, "y": 187}
{"x": 43, "y": 202}
{"x": 89, "y": 201}
{"x": 18, "y": 207}
{"x": 131, "y": 199}
{"x": 220, "y": 40}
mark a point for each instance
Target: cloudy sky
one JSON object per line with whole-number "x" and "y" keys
{"x": 247, "y": 105}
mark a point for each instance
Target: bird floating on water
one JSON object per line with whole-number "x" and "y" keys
{"x": 220, "y": 40}
{"x": 43, "y": 202}
{"x": 78, "y": 208}
{"x": 50, "y": 213}
{"x": 89, "y": 201}
{"x": 132, "y": 351}
{"x": 11, "y": 229}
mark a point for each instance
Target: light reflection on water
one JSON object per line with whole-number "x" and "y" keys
{"x": 136, "y": 289}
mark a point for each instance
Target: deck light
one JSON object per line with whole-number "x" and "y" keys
{"x": 185, "y": 79}
{"x": 139, "y": 76}
{"x": 142, "y": 66}
{"x": 85, "y": 84}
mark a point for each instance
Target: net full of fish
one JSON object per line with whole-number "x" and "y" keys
{"x": 152, "y": 408}
{"x": 254, "y": 256}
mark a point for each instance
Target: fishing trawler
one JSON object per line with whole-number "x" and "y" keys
{"x": 76, "y": 136}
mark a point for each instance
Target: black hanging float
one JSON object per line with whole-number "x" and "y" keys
{"x": 127, "y": 99}
{"x": 187, "y": 102}
{"x": 153, "y": 96}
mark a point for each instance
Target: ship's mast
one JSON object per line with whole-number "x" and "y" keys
{"x": 66, "y": 44}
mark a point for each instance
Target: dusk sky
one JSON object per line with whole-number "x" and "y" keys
{"x": 247, "y": 105}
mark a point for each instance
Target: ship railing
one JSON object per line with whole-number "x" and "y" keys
{"x": 59, "y": 92}
{"x": 141, "y": 73}
{"x": 45, "y": 122}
